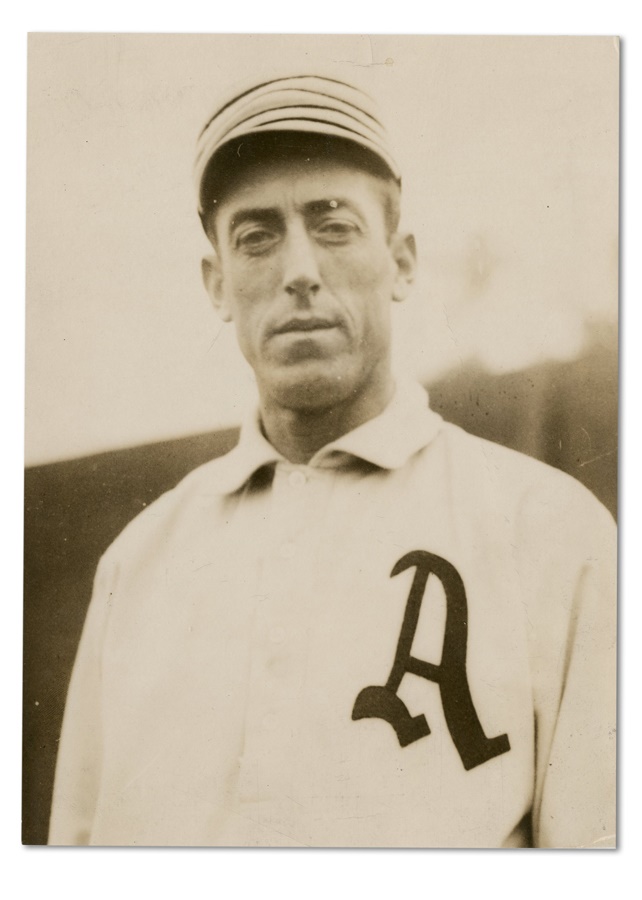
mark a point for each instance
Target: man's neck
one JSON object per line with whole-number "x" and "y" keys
{"x": 298, "y": 434}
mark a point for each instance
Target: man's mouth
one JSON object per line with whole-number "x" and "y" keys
{"x": 304, "y": 324}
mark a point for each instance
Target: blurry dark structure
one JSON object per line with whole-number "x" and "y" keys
{"x": 564, "y": 414}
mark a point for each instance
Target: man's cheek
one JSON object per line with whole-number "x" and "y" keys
{"x": 365, "y": 273}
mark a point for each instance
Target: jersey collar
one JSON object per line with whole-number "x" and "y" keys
{"x": 387, "y": 441}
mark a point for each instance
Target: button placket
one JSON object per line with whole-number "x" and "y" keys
{"x": 279, "y": 645}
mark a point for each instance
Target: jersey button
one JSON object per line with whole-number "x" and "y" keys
{"x": 297, "y": 478}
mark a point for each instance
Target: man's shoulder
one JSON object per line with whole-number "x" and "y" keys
{"x": 197, "y": 489}
{"x": 519, "y": 481}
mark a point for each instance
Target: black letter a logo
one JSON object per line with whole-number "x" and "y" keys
{"x": 378, "y": 702}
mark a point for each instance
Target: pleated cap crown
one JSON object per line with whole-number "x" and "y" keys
{"x": 310, "y": 104}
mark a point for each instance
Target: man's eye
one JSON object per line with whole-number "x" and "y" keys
{"x": 336, "y": 230}
{"x": 256, "y": 240}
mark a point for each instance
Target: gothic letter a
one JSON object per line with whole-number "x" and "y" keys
{"x": 380, "y": 702}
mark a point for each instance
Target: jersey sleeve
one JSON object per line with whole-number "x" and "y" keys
{"x": 78, "y": 766}
{"x": 576, "y": 732}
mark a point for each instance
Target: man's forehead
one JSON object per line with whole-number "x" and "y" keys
{"x": 319, "y": 186}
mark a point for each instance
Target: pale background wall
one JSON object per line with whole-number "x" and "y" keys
{"x": 509, "y": 152}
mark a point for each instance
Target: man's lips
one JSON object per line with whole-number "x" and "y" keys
{"x": 304, "y": 324}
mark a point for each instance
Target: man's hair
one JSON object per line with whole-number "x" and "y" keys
{"x": 248, "y": 155}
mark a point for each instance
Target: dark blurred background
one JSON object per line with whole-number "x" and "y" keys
{"x": 562, "y": 413}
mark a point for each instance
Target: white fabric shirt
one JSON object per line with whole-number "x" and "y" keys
{"x": 235, "y": 622}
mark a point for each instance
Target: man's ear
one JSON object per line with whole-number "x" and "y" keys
{"x": 404, "y": 253}
{"x": 213, "y": 281}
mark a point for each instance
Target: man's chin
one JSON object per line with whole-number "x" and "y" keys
{"x": 310, "y": 387}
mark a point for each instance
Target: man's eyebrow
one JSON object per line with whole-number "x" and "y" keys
{"x": 267, "y": 215}
{"x": 263, "y": 215}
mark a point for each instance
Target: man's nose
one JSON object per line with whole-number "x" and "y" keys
{"x": 301, "y": 277}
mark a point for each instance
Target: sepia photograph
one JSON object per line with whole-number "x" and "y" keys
{"x": 321, "y": 441}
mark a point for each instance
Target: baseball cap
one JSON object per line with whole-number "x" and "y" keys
{"x": 336, "y": 112}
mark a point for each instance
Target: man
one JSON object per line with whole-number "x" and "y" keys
{"x": 363, "y": 626}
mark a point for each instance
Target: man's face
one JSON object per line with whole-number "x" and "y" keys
{"x": 306, "y": 271}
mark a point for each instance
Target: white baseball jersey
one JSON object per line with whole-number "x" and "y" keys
{"x": 408, "y": 642}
